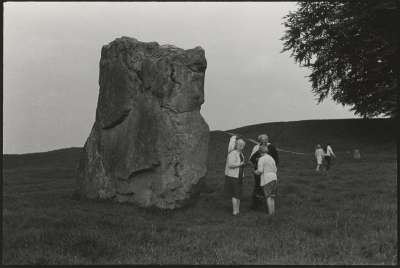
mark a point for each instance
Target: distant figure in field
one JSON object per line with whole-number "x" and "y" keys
{"x": 234, "y": 171}
{"x": 319, "y": 155}
{"x": 266, "y": 168}
{"x": 329, "y": 154}
{"x": 356, "y": 154}
{"x": 258, "y": 194}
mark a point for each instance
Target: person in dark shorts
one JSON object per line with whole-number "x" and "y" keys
{"x": 234, "y": 172}
{"x": 258, "y": 197}
{"x": 266, "y": 168}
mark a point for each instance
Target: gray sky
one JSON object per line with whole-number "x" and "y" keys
{"x": 52, "y": 53}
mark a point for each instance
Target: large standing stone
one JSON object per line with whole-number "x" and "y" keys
{"x": 149, "y": 142}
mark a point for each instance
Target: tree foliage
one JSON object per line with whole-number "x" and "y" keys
{"x": 352, "y": 49}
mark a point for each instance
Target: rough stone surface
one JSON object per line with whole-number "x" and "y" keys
{"x": 149, "y": 142}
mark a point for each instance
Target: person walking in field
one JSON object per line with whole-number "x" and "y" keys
{"x": 329, "y": 154}
{"x": 258, "y": 194}
{"x": 267, "y": 170}
{"x": 234, "y": 172}
{"x": 319, "y": 155}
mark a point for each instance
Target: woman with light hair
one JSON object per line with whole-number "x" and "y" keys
{"x": 232, "y": 142}
{"x": 234, "y": 171}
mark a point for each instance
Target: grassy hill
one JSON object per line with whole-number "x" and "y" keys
{"x": 345, "y": 217}
{"x": 58, "y": 158}
{"x": 343, "y": 134}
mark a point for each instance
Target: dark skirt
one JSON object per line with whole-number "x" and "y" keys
{"x": 233, "y": 186}
{"x": 258, "y": 193}
{"x": 328, "y": 162}
{"x": 270, "y": 189}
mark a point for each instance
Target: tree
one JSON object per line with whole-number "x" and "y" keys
{"x": 352, "y": 49}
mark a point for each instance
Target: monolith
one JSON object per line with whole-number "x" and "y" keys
{"x": 149, "y": 142}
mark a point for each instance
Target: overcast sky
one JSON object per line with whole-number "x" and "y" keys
{"x": 52, "y": 53}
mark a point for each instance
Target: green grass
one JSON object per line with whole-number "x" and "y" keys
{"x": 346, "y": 217}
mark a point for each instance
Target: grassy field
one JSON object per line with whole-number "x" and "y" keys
{"x": 346, "y": 217}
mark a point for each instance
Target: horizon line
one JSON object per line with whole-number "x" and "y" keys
{"x": 213, "y": 130}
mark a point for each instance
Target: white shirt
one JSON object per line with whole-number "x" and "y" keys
{"x": 267, "y": 167}
{"x": 319, "y": 154}
{"x": 255, "y": 149}
{"x": 233, "y": 158}
{"x": 329, "y": 151}
{"x": 231, "y": 145}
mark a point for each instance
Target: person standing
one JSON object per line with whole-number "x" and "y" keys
{"x": 329, "y": 154}
{"x": 234, "y": 172}
{"x": 258, "y": 194}
{"x": 319, "y": 155}
{"x": 267, "y": 169}
{"x": 356, "y": 154}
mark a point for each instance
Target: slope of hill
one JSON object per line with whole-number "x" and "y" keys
{"x": 66, "y": 157}
{"x": 348, "y": 216}
{"x": 344, "y": 135}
